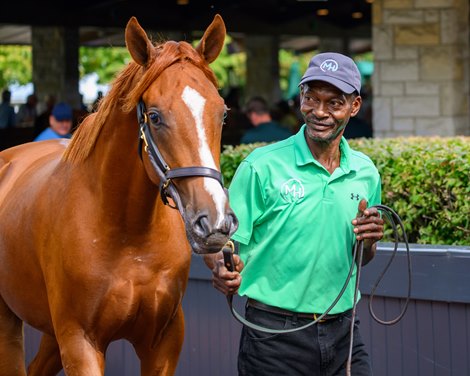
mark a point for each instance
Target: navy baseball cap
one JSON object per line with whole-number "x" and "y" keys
{"x": 62, "y": 111}
{"x": 336, "y": 69}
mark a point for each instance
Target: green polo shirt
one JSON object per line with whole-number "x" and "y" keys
{"x": 295, "y": 232}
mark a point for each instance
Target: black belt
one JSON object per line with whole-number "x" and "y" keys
{"x": 280, "y": 311}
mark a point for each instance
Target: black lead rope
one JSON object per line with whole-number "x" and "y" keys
{"x": 228, "y": 251}
{"x": 393, "y": 219}
{"x": 395, "y": 222}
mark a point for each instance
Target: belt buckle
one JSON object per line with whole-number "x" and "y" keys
{"x": 315, "y": 317}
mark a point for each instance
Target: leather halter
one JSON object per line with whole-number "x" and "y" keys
{"x": 164, "y": 172}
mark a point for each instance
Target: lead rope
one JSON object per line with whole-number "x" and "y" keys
{"x": 228, "y": 251}
{"x": 393, "y": 219}
{"x": 360, "y": 250}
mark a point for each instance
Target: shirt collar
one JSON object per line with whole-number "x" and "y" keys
{"x": 303, "y": 155}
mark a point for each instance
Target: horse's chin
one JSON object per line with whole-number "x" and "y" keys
{"x": 213, "y": 244}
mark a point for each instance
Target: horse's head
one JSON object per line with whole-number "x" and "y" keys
{"x": 181, "y": 115}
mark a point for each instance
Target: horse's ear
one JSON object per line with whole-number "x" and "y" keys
{"x": 212, "y": 41}
{"x": 137, "y": 42}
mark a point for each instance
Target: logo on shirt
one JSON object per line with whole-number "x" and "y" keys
{"x": 354, "y": 197}
{"x": 292, "y": 190}
{"x": 329, "y": 65}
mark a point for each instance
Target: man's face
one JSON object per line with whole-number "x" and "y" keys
{"x": 61, "y": 127}
{"x": 326, "y": 110}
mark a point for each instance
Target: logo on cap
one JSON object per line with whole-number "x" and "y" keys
{"x": 329, "y": 65}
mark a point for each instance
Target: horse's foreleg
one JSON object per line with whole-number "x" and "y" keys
{"x": 47, "y": 360}
{"x": 79, "y": 356}
{"x": 163, "y": 358}
{"x": 11, "y": 343}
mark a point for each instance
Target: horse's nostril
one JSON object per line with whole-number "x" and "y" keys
{"x": 227, "y": 227}
{"x": 233, "y": 224}
{"x": 203, "y": 226}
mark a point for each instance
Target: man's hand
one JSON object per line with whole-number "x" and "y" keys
{"x": 225, "y": 281}
{"x": 369, "y": 227}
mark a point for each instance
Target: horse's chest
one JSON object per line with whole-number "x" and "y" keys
{"x": 141, "y": 297}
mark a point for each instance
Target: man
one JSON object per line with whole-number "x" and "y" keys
{"x": 297, "y": 201}
{"x": 27, "y": 112}
{"x": 264, "y": 128}
{"x": 60, "y": 123}
{"x": 7, "y": 112}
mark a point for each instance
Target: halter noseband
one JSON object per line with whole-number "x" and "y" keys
{"x": 165, "y": 173}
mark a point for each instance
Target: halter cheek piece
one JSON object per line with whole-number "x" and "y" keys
{"x": 164, "y": 172}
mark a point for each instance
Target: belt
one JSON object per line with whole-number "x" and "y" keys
{"x": 280, "y": 311}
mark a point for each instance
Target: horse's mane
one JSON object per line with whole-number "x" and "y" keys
{"x": 127, "y": 89}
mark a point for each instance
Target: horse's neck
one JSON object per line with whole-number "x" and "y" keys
{"x": 124, "y": 186}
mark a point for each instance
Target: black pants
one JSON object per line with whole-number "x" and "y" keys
{"x": 319, "y": 350}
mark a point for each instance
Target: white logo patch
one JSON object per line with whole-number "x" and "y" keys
{"x": 329, "y": 65}
{"x": 292, "y": 190}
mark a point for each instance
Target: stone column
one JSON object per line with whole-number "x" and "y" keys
{"x": 55, "y": 63}
{"x": 262, "y": 67}
{"x": 421, "y": 78}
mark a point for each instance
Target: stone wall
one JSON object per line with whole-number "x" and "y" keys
{"x": 421, "y": 76}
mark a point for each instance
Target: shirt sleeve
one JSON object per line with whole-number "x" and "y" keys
{"x": 246, "y": 200}
{"x": 376, "y": 196}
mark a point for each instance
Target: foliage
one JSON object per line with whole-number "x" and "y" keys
{"x": 232, "y": 156}
{"x": 229, "y": 67}
{"x": 425, "y": 180}
{"x": 106, "y": 62}
{"x": 286, "y": 60}
{"x": 15, "y": 65}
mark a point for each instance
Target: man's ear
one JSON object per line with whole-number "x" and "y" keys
{"x": 356, "y": 105}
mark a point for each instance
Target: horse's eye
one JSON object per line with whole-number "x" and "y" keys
{"x": 155, "y": 118}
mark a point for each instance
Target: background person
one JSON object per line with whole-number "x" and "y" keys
{"x": 60, "y": 123}
{"x": 297, "y": 201}
{"x": 285, "y": 115}
{"x": 264, "y": 129}
{"x": 7, "y": 111}
{"x": 42, "y": 120}
{"x": 27, "y": 112}
{"x": 236, "y": 123}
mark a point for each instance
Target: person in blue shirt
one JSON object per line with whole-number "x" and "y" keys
{"x": 60, "y": 123}
{"x": 264, "y": 128}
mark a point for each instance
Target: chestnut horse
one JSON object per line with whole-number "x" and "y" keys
{"x": 89, "y": 251}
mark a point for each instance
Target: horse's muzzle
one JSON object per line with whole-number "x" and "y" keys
{"x": 205, "y": 236}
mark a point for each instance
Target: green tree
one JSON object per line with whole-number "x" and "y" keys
{"x": 106, "y": 62}
{"x": 287, "y": 59}
{"x": 229, "y": 67}
{"x": 15, "y": 65}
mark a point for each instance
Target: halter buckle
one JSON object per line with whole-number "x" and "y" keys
{"x": 142, "y": 137}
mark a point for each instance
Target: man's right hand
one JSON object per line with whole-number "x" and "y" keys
{"x": 225, "y": 281}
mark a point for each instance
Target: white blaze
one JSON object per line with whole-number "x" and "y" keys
{"x": 196, "y": 103}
